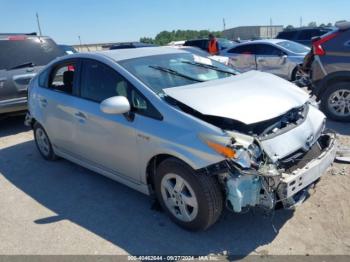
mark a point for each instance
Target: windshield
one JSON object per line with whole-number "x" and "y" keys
{"x": 27, "y": 50}
{"x": 171, "y": 70}
{"x": 294, "y": 47}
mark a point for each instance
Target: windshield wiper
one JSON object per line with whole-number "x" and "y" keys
{"x": 209, "y": 66}
{"x": 174, "y": 72}
{"x": 27, "y": 64}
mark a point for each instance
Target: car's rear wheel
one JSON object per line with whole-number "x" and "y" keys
{"x": 192, "y": 201}
{"x": 335, "y": 102}
{"x": 43, "y": 142}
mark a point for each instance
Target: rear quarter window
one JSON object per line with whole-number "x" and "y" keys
{"x": 39, "y": 51}
{"x": 43, "y": 78}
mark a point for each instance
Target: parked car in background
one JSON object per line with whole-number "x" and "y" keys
{"x": 204, "y": 43}
{"x": 330, "y": 72}
{"x": 194, "y": 134}
{"x": 21, "y": 57}
{"x": 177, "y": 43}
{"x": 197, "y": 51}
{"x": 68, "y": 49}
{"x": 275, "y": 56}
{"x": 127, "y": 45}
{"x": 303, "y": 35}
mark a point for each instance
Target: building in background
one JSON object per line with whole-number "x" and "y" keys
{"x": 252, "y": 32}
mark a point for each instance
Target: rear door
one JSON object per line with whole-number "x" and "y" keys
{"x": 57, "y": 99}
{"x": 272, "y": 60}
{"x": 242, "y": 57}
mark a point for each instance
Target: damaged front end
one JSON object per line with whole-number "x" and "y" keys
{"x": 277, "y": 165}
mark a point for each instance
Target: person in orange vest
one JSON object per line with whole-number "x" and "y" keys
{"x": 213, "y": 46}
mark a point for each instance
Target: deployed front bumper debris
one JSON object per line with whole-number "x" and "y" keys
{"x": 270, "y": 185}
{"x": 343, "y": 155}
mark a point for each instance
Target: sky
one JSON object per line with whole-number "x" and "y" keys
{"x": 103, "y": 21}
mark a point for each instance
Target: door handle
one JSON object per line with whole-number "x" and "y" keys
{"x": 80, "y": 115}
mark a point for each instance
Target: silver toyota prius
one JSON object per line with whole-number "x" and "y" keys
{"x": 185, "y": 129}
{"x": 276, "y": 56}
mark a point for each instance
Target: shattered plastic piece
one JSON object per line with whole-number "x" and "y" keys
{"x": 343, "y": 155}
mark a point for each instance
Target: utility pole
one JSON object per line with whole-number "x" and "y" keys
{"x": 80, "y": 45}
{"x": 270, "y": 27}
{"x": 38, "y": 21}
{"x": 224, "y": 23}
{"x": 301, "y": 21}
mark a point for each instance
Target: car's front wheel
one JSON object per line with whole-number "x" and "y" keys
{"x": 43, "y": 142}
{"x": 335, "y": 102}
{"x": 192, "y": 201}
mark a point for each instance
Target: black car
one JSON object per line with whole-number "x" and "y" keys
{"x": 21, "y": 57}
{"x": 330, "y": 72}
{"x": 130, "y": 45}
{"x": 204, "y": 43}
{"x": 303, "y": 35}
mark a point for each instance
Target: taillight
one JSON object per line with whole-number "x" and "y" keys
{"x": 317, "y": 45}
{"x": 17, "y": 38}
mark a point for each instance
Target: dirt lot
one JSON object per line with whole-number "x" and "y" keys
{"x": 61, "y": 208}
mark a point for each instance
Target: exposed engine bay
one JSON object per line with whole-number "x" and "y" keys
{"x": 275, "y": 161}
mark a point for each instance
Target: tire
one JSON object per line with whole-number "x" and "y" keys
{"x": 294, "y": 74}
{"x": 199, "y": 202}
{"x": 335, "y": 101}
{"x": 43, "y": 143}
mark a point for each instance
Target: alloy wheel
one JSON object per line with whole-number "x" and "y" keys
{"x": 42, "y": 141}
{"x": 339, "y": 102}
{"x": 179, "y": 197}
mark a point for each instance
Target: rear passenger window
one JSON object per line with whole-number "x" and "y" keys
{"x": 62, "y": 78}
{"x": 268, "y": 50}
{"x": 99, "y": 82}
{"x": 244, "y": 49}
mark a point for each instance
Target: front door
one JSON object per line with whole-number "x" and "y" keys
{"x": 272, "y": 60}
{"x": 104, "y": 140}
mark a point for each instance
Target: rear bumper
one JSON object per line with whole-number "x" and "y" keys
{"x": 301, "y": 178}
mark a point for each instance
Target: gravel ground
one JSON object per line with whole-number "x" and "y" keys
{"x": 61, "y": 208}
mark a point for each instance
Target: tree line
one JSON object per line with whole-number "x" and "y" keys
{"x": 311, "y": 24}
{"x": 166, "y": 37}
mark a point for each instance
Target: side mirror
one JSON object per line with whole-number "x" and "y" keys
{"x": 115, "y": 105}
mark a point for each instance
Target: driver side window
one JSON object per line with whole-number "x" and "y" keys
{"x": 99, "y": 82}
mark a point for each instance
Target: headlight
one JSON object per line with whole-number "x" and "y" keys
{"x": 240, "y": 149}
{"x": 222, "y": 150}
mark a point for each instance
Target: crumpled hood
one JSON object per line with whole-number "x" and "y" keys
{"x": 250, "y": 98}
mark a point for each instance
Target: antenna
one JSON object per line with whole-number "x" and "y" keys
{"x": 38, "y": 21}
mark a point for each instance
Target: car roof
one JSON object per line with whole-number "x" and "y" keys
{"x": 262, "y": 41}
{"x": 307, "y": 28}
{"x": 124, "y": 54}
